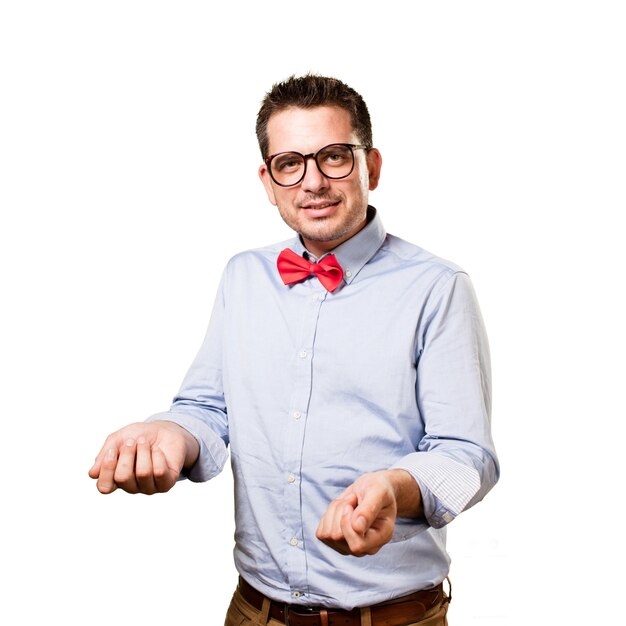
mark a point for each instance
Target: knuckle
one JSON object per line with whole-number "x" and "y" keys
{"x": 108, "y": 462}
{"x": 120, "y": 476}
{"x": 142, "y": 473}
{"x": 124, "y": 478}
{"x": 164, "y": 481}
{"x": 112, "y": 440}
{"x": 160, "y": 472}
{"x": 369, "y": 508}
{"x": 358, "y": 551}
{"x": 361, "y": 547}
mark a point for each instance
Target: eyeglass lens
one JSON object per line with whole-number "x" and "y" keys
{"x": 334, "y": 161}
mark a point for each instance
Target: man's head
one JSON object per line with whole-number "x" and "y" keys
{"x": 310, "y": 91}
{"x": 303, "y": 115}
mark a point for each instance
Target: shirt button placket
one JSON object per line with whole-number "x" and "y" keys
{"x": 302, "y": 376}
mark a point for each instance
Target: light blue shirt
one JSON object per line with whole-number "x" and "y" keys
{"x": 311, "y": 389}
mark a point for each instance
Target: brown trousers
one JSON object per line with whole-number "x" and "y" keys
{"x": 240, "y": 613}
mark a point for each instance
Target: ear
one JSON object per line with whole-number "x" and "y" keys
{"x": 374, "y": 164}
{"x": 266, "y": 179}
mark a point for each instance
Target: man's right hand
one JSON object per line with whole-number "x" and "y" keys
{"x": 146, "y": 457}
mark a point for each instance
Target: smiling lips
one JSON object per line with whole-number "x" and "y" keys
{"x": 321, "y": 209}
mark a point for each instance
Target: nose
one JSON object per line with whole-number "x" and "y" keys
{"x": 314, "y": 181}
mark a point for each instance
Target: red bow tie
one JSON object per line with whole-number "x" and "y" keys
{"x": 294, "y": 268}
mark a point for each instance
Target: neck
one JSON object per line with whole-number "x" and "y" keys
{"x": 320, "y": 248}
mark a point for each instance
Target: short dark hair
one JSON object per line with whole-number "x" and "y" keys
{"x": 311, "y": 91}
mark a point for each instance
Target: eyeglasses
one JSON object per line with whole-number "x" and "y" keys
{"x": 334, "y": 161}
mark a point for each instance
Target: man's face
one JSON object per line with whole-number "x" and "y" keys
{"x": 325, "y": 212}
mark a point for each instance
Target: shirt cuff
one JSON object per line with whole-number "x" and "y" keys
{"x": 213, "y": 454}
{"x": 446, "y": 485}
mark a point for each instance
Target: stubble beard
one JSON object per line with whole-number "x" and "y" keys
{"x": 322, "y": 229}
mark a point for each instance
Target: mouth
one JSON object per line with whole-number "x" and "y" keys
{"x": 320, "y": 209}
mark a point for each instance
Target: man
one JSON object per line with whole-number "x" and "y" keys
{"x": 348, "y": 370}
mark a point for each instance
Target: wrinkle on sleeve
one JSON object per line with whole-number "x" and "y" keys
{"x": 455, "y": 464}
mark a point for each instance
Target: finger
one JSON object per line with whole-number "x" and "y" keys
{"x": 124, "y": 476}
{"x": 329, "y": 527}
{"x": 143, "y": 467}
{"x": 372, "y": 502}
{"x": 164, "y": 477}
{"x": 360, "y": 522}
{"x": 106, "y": 471}
{"x": 346, "y": 504}
{"x": 333, "y": 534}
{"x": 345, "y": 530}
{"x": 94, "y": 471}
{"x": 378, "y": 533}
{"x": 326, "y": 522}
{"x": 370, "y": 542}
{"x": 355, "y": 541}
{"x": 342, "y": 509}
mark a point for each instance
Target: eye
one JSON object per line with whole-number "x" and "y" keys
{"x": 287, "y": 162}
{"x": 335, "y": 156}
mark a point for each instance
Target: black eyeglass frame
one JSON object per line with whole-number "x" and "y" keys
{"x": 313, "y": 155}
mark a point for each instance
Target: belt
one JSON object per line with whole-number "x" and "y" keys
{"x": 398, "y": 612}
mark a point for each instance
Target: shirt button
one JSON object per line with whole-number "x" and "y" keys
{"x": 297, "y": 594}
{"x": 293, "y": 541}
{"x": 297, "y": 415}
{"x": 291, "y": 478}
{"x": 302, "y": 354}
{"x": 348, "y": 273}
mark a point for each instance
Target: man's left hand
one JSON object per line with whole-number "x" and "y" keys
{"x": 361, "y": 520}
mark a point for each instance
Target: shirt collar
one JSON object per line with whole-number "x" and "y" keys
{"x": 354, "y": 253}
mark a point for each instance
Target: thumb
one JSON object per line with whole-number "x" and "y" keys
{"x": 367, "y": 512}
{"x": 375, "y": 502}
{"x": 360, "y": 524}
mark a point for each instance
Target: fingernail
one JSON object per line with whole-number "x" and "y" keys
{"x": 130, "y": 442}
{"x": 110, "y": 454}
{"x": 141, "y": 440}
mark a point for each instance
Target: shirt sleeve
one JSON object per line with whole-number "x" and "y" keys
{"x": 455, "y": 463}
{"x": 199, "y": 406}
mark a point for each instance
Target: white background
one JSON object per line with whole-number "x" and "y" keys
{"x": 127, "y": 179}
